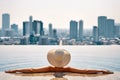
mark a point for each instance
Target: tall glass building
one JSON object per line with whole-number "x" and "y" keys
{"x": 26, "y": 28}
{"x": 73, "y": 29}
{"x": 81, "y": 30}
{"x": 102, "y": 25}
{"x": 50, "y": 30}
{"x": 41, "y": 28}
{"x": 55, "y": 33}
{"x": 30, "y": 23}
{"x": 36, "y": 27}
{"x": 5, "y": 21}
{"x": 14, "y": 27}
{"x": 95, "y": 34}
{"x": 110, "y": 28}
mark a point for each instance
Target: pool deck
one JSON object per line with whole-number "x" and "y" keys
{"x": 51, "y": 76}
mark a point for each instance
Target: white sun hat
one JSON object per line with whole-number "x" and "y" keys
{"x": 58, "y": 57}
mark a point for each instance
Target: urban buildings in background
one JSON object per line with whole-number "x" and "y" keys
{"x": 81, "y": 30}
{"x": 95, "y": 34}
{"x": 73, "y": 30}
{"x": 106, "y": 27}
{"x": 107, "y": 32}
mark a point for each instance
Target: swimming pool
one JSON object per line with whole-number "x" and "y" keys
{"x": 95, "y": 57}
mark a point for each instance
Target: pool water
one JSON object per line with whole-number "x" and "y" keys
{"x": 95, "y": 57}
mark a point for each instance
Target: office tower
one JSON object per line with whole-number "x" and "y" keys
{"x": 95, "y": 34}
{"x": 117, "y": 30}
{"x": 15, "y": 28}
{"x": 5, "y": 22}
{"x": 80, "y": 30}
{"x": 50, "y": 30}
{"x": 110, "y": 27}
{"x": 55, "y": 33}
{"x": 36, "y": 27}
{"x": 30, "y": 24}
{"x": 26, "y": 29}
{"x": 73, "y": 30}
{"x": 0, "y": 33}
{"x": 102, "y": 25}
{"x": 41, "y": 28}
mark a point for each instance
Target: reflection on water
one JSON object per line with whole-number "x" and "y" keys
{"x": 96, "y": 57}
{"x": 59, "y": 74}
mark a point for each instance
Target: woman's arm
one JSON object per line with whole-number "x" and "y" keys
{"x": 85, "y": 71}
{"x": 30, "y": 70}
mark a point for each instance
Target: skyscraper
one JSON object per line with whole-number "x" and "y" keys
{"x": 36, "y": 27}
{"x": 110, "y": 28}
{"x": 102, "y": 25}
{"x": 80, "y": 30}
{"x": 0, "y": 33}
{"x": 117, "y": 30}
{"x": 14, "y": 27}
{"x": 26, "y": 29}
{"x": 55, "y": 33}
{"x": 95, "y": 34}
{"x": 41, "y": 28}
{"x": 73, "y": 30}
{"x": 30, "y": 24}
{"x": 50, "y": 30}
{"x": 5, "y": 22}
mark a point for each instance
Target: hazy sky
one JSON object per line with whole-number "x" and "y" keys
{"x": 60, "y": 12}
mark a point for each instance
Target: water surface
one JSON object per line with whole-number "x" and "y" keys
{"x": 95, "y": 57}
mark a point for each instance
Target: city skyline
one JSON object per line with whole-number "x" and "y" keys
{"x": 59, "y": 13}
{"x": 106, "y": 26}
{"x": 34, "y": 33}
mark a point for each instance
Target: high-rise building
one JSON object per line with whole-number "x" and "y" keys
{"x": 30, "y": 24}
{"x": 50, "y": 30}
{"x": 95, "y": 34}
{"x": 26, "y": 29}
{"x": 14, "y": 27}
{"x": 0, "y": 33}
{"x": 102, "y": 25}
{"x": 110, "y": 28}
{"x": 80, "y": 30}
{"x": 73, "y": 30}
{"x": 41, "y": 28}
{"x": 36, "y": 27}
{"x": 55, "y": 33}
{"x": 117, "y": 30}
{"x": 5, "y": 22}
